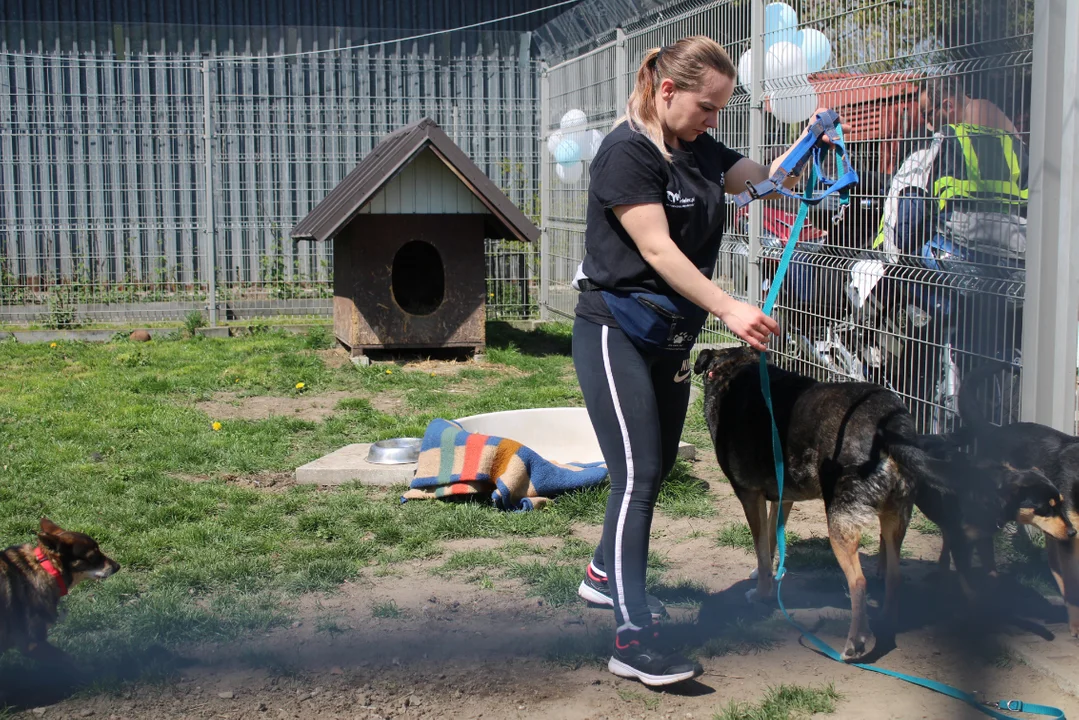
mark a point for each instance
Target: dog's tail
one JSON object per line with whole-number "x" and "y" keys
{"x": 925, "y": 459}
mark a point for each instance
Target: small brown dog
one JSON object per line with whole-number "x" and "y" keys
{"x": 32, "y": 581}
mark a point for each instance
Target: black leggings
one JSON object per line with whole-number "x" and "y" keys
{"x": 637, "y": 405}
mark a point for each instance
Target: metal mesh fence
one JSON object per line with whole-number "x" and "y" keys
{"x": 935, "y": 98}
{"x": 138, "y": 190}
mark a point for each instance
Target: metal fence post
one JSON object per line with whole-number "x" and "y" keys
{"x": 1051, "y": 307}
{"x": 621, "y": 67}
{"x": 545, "y": 194}
{"x": 211, "y": 233}
{"x": 756, "y": 147}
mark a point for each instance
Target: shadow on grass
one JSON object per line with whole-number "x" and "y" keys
{"x": 547, "y": 339}
{"x": 27, "y": 684}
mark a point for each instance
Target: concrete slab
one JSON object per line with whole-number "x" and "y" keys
{"x": 1056, "y": 659}
{"x": 349, "y": 464}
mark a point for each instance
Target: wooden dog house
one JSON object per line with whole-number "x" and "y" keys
{"x": 408, "y": 225}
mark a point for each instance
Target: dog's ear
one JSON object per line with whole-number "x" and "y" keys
{"x": 50, "y": 534}
{"x": 703, "y": 361}
{"x": 49, "y": 527}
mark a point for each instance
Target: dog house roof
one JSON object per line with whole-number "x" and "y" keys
{"x": 388, "y": 158}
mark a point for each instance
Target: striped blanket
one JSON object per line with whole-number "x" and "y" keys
{"x": 455, "y": 463}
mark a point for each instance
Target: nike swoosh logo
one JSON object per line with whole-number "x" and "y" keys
{"x": 681, "y": 377}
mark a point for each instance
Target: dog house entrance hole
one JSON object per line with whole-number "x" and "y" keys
{"x": 418, "y": 278}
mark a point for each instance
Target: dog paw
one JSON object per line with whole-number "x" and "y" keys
{"x": 855, "y": 649}
{"x": 756, "y": 596}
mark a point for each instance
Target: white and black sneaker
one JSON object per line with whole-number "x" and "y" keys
{"x": 596, "y": 590}
{"x": 636, "y": 656}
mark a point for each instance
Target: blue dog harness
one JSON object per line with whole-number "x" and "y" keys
{"x": 811, "y": 147}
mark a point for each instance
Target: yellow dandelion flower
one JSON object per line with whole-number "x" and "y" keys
{"x": 432, "y": 374}
{"x": 52, "y": 345}
{"x": 389, "y": 372}
{"x": 299, "y": 386}
{"x": 216, "y": 425}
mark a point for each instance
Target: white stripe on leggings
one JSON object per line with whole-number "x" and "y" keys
{"x": 627, "y": 624}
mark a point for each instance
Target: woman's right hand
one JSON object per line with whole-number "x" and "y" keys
{"x": 749, "y": 323}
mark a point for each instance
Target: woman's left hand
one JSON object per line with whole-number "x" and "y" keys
{"x": 813, "y": 118}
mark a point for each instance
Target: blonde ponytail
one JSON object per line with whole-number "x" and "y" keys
{"x": 641, "y": 108}
{"x": 685, "y": 63}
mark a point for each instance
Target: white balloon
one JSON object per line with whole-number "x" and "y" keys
{"x": 817, "y": 49}
{"x": 572, "y": 119}
{"x": 794, "y": 104}
{"x": 590, "y": 145}
{"x": 785, "y": 66}
{"x": 553, "y": 142}
{"x": 745, "y": 70}
{"x": 569, "y": 173}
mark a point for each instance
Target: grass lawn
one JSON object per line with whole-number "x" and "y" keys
{"x": 107, "y": 439}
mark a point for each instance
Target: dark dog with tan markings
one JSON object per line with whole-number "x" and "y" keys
{"x": 854, "y": 445}
{"x": 986, "y": 495}
{"x": 1031, "y": 445}
{"x": 34, "y": 578}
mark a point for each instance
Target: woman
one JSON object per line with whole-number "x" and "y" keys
{"x": 655, "y": 219}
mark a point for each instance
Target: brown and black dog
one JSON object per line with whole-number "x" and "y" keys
{"x": 852, "y": 445}
{"x": 34, "y": 578}
{"x": 1030, "y": 445}
{"x": 986, "y": 495}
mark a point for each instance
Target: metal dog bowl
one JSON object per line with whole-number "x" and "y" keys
{"x": 396, "y": 451}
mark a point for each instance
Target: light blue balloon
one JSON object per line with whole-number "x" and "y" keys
{"x": 567, "y": 152}
{"x": 780, "y": 24}
{"x": 816, "y": 48}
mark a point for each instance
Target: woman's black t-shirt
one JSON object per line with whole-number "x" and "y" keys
{"x": 628, "y": 169}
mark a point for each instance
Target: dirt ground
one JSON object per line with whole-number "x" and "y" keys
{"x": 456, "y": 649}
{"x": 316, "y": 407}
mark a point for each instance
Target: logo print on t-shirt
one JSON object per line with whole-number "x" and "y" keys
{"x": 675, "y": 199}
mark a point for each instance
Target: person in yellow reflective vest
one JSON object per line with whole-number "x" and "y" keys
{"x": 969, "y": 178}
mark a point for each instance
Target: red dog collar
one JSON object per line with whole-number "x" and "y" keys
{"x": 51, "y": 569}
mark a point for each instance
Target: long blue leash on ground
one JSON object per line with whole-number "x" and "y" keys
{"x": 989, "y": 708}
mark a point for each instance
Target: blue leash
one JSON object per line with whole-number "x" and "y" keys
{"x": 842, "y": 185}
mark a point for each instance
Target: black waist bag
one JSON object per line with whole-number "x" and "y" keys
{"x": 655, "y": 323}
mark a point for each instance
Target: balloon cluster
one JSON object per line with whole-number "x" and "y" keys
{"x": 790, "y": 55}
{"x": 571, "y": 144}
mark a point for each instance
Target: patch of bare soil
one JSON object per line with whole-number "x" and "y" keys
{"x": 230, "y": 406}
{"x": 224, "y": 406}
{"x": 455, "y": 367}
{"x": 412, "y": 644}
{"x": 334, "y": 358}
{"x": 267, "y": 481}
